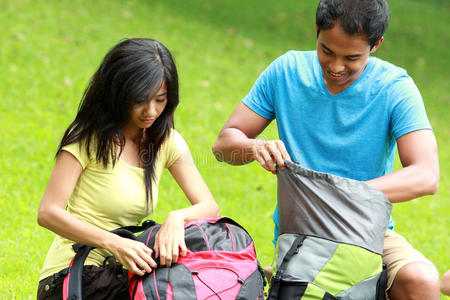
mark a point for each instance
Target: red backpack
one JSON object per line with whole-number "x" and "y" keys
{"x": 220, "y": 264}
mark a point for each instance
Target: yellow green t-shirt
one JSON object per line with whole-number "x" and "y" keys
{"x": 109, "y": 198}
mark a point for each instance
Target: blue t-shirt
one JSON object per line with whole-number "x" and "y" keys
{"x": 351, "y": 134}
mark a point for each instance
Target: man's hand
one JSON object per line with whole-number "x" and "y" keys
{"x": 270, "y": 153}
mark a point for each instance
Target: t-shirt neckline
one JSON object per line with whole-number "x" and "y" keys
{"x": 347, "y": 89}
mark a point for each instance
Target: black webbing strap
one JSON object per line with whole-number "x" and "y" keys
{"x": 145, "y": 225}
{"x": 74, "y": 287}
{"x": 230, "y": 221}
{"x": 75, "y": 272}
{"x": 382, "y": 284}
{"x": 276, "y": 279}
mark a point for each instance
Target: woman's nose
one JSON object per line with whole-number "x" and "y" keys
{"x": 150, "y": 109}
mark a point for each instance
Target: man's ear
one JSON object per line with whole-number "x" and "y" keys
{"x": 377, "y": 44}
{"x": 317, "y": 28}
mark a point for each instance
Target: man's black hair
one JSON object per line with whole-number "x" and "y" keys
{"x": 368, "y": 17}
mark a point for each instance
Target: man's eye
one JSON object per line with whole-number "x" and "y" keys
{"x": 161, "y": 100}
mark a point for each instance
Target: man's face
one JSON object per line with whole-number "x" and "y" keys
{"x": 342, "y": 57}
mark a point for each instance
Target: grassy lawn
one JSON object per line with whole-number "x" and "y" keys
{"x": 49, "y": 49}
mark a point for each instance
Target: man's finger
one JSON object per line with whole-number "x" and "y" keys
{"x": 268, "y": 161}
{"x": 276, "y": 154}
{"x": 283, "y": 150}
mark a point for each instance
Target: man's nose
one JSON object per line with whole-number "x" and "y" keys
{"x": 336, "y": 65}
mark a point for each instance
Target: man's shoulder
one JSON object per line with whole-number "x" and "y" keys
{"x": 386, "y": 71}
{"x": 292, "y": 61}
{"x": 295, "y": 57}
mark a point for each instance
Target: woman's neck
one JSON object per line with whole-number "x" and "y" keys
{"x": 133, "y": 135}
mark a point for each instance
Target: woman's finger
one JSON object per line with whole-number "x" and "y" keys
{"x": 146, "y": 255}
{"x": 162, "y": 255}
{"x": 183, "y": 248}
{"x": 168, "y": 258}
{"x": 175, "y": 253}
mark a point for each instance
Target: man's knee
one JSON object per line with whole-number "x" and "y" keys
{"x": 417, "y": 280}
{"x": 445, "y": 283}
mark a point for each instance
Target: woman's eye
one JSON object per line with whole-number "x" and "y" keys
{"x": 139, "y": 101}
{"x": 161, "y": 100}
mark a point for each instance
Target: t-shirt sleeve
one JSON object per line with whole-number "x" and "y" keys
{"x": 408, "y": 113}
{"x": 173, "y": 148}
{"x": 79, "y": 151}
{"x": 260, "y": 98}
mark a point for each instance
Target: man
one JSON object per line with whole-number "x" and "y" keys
{"x": 341, "y": 111}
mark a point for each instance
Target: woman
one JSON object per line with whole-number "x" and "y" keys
{"x": 107, "y": 172}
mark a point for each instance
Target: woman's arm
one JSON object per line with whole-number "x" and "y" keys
{"x": 169, "y": 241}
{"x": 52, "y": 215}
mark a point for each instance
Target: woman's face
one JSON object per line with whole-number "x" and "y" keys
{"x": 145, "y": 112}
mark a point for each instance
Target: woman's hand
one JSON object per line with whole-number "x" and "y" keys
{"x": 169, "y": 241}
{"x": 133, "y": 255}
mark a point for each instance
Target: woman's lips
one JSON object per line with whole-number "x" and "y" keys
{"x": 148, "y": 121}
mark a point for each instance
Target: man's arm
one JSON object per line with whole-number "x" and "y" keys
{"x": 237, "y": 143}
{"x": 420, "y": 173}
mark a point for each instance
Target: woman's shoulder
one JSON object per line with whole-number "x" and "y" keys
{"x": 174, "y": 141}
{"x": 173, "y": 146}
{"x": 80, "y": 150}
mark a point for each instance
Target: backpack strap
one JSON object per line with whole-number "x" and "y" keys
{"x": 231, "y": 221}
{"x": 382, "y": 284}
{"x": 276, "y": 279}
{"x": 182, "y": 283}
{"x": 72, "y": 286}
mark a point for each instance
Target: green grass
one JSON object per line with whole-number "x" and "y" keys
{"x": 49, "y": 49}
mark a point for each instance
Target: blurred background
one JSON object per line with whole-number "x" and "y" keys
{"x": 50, "y": 49}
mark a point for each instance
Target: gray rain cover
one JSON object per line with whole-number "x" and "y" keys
{"x": 332, "y": 207}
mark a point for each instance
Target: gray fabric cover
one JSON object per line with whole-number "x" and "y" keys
{"x": 314, "y": 249}
{"x": 332, "y": 207}
{"x": 362, "y": 290}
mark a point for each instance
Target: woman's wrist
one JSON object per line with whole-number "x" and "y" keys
{"x": 109, "y": 241}
{"x": 178, "y": 215}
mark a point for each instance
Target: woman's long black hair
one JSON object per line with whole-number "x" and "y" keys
{"x": 131, "y": 71}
